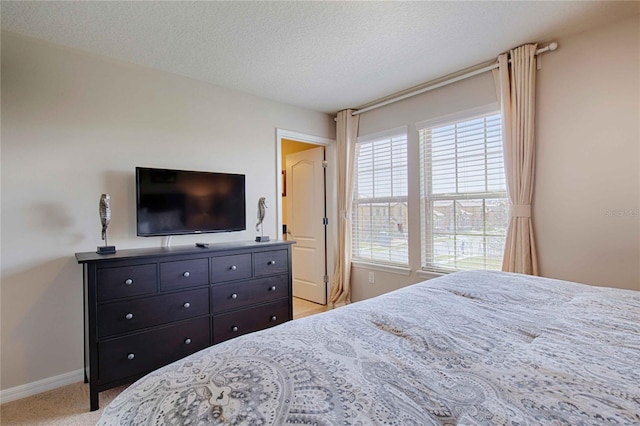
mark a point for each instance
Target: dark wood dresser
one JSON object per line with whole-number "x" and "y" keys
{"x": 145, "y": 308}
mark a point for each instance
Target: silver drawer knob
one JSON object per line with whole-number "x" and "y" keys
{"x": 271, "y": 262}
{"x": 233, "y": 267}
{"x": 234, "y": 296}
{"x": 234, "y": 328}
{"x": 187, "y": 341}
{"x": 129, "y": 316}
{"x": 131, "y": 356}
{"x": 187, "y": 305}
{"x": 272, "y": 288}
{"x": 273, "y": 318}
{"x": 186, "y": 274}
{"x": 128, "y": 281}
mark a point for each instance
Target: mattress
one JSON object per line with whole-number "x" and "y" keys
{"x": 470, "y": 348}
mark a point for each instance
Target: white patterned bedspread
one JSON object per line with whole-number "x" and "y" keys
{"x": 468, "y": 348}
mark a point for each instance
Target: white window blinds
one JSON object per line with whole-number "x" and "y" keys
{"x": 379, "y": 209}
{"x": 464, "y": 206}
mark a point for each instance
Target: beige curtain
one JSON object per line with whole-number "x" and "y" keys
{"x": 347, "y": 132}
{"x": 516, "y": 84}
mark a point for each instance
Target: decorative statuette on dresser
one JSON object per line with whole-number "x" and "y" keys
{"x": 145, "y": 308}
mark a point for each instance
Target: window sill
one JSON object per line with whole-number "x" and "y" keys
{"x": 400, "y": 270}
{"x": 420, "y": 273}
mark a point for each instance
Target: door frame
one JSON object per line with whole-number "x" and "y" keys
{"x": 331, "y": 188}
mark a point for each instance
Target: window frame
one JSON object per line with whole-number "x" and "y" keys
{"x": 398, "y": 132}
{"x": 427, "y": 198}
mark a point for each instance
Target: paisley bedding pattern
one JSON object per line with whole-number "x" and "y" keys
{"x": 469, "y": 348}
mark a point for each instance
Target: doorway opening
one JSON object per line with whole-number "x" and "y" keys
{"x": 306, "y": 210}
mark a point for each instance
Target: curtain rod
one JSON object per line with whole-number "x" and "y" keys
{"x": 550, "y": 47}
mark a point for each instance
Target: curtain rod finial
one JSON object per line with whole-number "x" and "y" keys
{"x": 553, "y": 46}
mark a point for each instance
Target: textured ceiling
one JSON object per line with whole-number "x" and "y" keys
{"x": 322, "y": 55}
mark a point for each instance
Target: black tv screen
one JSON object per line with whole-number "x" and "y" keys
{"x": 174, "y": 202}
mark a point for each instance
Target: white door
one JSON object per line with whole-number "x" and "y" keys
{"x": 306, "y": 211}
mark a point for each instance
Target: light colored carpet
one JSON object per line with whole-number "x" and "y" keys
{"x": 69, "y": 405}
{"x": 65, "y": 406}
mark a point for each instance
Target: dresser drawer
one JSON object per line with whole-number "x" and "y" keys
{"x": 126, "y": 281}
{"x": 143, "y": 352}
{"x": 135, "y": 314}
{"x": 237, "y": 295}
{"x": 227, "y": 268}
{"x": 271, "y": 262}
{"x": 233, "y": 324}
{"x": 184, "y": 273}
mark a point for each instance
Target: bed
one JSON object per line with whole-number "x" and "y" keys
{"x": 470, "y": 348}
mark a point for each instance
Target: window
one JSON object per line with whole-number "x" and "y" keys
{"x": 464, "y": 205}
{"x": 379, "y": 209}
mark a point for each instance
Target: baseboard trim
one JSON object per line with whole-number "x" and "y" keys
{"x": 34, "y": 388}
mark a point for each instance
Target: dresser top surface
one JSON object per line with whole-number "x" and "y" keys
{"x": 87, "y": 257}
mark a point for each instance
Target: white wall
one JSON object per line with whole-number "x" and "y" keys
{"x": 587, "y": 196}
{"x": 74, "y": 126}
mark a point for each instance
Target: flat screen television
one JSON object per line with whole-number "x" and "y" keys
{"x": 176, "y": 202}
